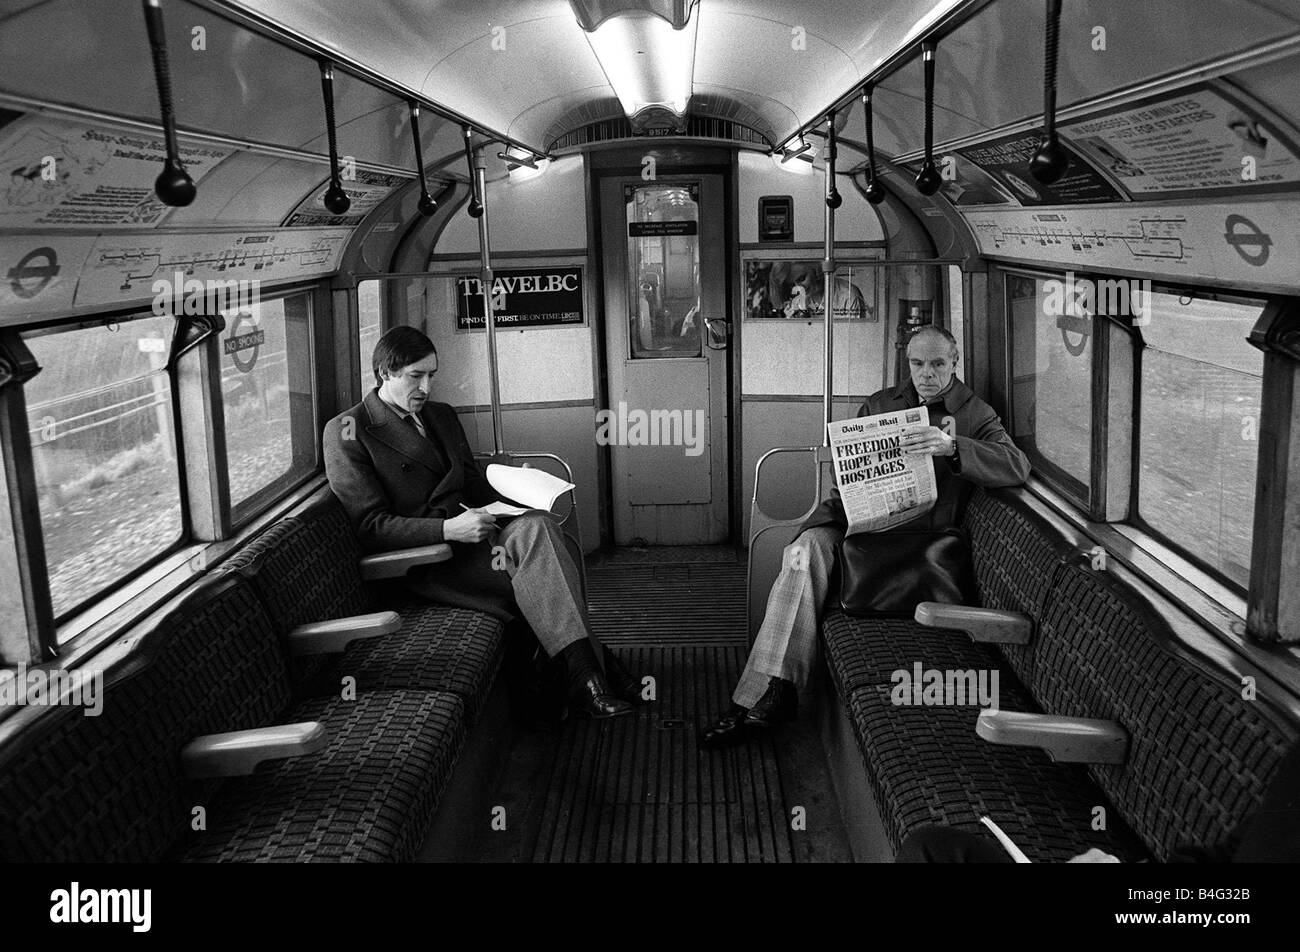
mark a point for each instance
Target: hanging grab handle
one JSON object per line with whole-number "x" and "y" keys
{"x": 475, "y": 203}
{"x": 928, "y": 179}
{"x": 173, "y": 186}
{"x": 336, "y": 200}
{"x": 833, "y": 197}
{"x": 1050, "y": 160}
{"x": 875, "y": 191}
{"x": 427, "y": 205}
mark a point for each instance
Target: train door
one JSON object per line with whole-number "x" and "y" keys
{"x": 667, "y": 336}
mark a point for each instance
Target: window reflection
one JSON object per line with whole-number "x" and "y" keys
{"x": 664, "y": 270}
{"x": 103, "y": 438}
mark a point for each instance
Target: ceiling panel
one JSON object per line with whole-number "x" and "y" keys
{"x": 523, "y": 67}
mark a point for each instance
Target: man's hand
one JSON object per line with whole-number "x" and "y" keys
{"x": 927, "y": 440}
{"x": 1093, "y": 855}
{"x": 472, "y": 525}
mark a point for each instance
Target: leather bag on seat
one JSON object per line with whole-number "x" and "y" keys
{"x": 888, "y": 573}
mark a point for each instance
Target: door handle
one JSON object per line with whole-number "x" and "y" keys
{"x": 717, "y": 333}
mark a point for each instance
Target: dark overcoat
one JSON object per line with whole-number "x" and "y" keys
{"x": 398, "y": 487}
{"x": 987, "y": 457}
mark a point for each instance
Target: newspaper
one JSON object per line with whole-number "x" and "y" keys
{"x": 880, "y": 485}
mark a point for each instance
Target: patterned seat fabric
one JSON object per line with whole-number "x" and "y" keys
{"x": 1200, "y": 754}
{"x": 305, "y": 570}
{"x": 438, "y": 649}
{"x": 866, "y": 651}
{"x": 109, "y": 788}
{"x": 370, "y": 796}
{"x": 1016, "y": 556}
{"x": 927, "y": 765}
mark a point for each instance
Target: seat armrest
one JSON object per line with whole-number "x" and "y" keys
{"x": 330, "y": 637}
{"x": 1067, "y": 740}
{"x": 984, "y": 625}
{"x": 397, "y": 563}
{"x": 237, "y": 753}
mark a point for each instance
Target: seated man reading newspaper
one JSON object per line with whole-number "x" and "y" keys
{"x": 975, "y": 451}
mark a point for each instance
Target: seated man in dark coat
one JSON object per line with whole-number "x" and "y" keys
{"x": 405, "y": 473}
{"x": 975, "y": 451}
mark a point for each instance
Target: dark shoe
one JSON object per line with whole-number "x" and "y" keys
{"x": 589, "y": 693}
{"x": 623, "y": 682}
{"x": 779, "y": 703}
{"x": 727, "y": 731}
{"x": 593, "y": 698}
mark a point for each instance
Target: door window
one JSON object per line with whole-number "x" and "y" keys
{"x": 663, "y": 257}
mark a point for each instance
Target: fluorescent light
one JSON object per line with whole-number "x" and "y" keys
{"x": 797, "y": 164}
{"x": 646, "y": 61}
{"x": 522, "y": 173}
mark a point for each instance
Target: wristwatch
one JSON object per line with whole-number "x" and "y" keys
{"x": 955, "y": 459}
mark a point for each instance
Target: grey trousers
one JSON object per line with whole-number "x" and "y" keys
{"x": 786, "y": 644}
{"x": 546, "y": 583}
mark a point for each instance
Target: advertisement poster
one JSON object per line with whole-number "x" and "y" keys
{"x": 1006, "y": 161}
{"x": 794, "y": 290}
{"x": 1195, "y": 142}
{"x": 523, "y": 297}
{"x": 366, "y": 189}
{"x": 972, "y": 185}
{"x": 66, "y": 174}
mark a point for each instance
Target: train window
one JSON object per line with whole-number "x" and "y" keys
{"x": 664, "y": 270}
{"x": 266, "y": 385}
{"x": 369, "y": 318}
{"x": 957, "y": 311}
{"x": 103, "y": 440}
{"x": 1200, "y": 402}
{"x": 1051, "y": 396}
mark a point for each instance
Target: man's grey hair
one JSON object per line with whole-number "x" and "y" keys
{"x": 938, "y": 332}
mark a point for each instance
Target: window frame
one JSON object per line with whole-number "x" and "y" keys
{"x": 1079, "y": 492}
{"x": 1135, "y": 519}
{"x": 49, "y": 640}
{"x": 79, "y": 626}
{"x": 239, "y": 515}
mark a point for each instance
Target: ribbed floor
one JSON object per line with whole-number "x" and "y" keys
{"x": 668, "y": 603}
{"x": 637, "y": 789}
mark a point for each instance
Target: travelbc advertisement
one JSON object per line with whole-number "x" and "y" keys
{"x": 523, "y": 297}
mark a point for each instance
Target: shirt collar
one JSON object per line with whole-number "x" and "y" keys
{"x": 953, "y": 398}
{"x": 392, "y": 406}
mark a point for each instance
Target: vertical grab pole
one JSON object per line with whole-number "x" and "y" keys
{"x": 833, "y": 201}
{"x": 478, "y": 167}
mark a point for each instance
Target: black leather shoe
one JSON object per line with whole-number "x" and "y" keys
{"x": 779, "y": 703}
{"x": 727, "y": 731}
{"x": 593, "y": 698}
{"x": 623, "y": 682}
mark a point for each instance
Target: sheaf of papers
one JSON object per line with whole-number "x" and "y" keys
{"x": 880, "y": 485}
{"x": 532, "y": 488}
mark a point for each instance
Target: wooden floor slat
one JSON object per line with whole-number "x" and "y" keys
{"x": 637, "y": 788}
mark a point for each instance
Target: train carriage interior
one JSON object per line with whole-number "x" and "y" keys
{"x": 659, "y": 246}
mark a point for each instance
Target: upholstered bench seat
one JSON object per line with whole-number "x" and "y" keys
{"x": 927, "y": 765}
{"x": 369, "y": 796}
{"x": 452, "y": 650}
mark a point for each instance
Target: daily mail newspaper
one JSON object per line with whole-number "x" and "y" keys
{"x": 880, "y": 485}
